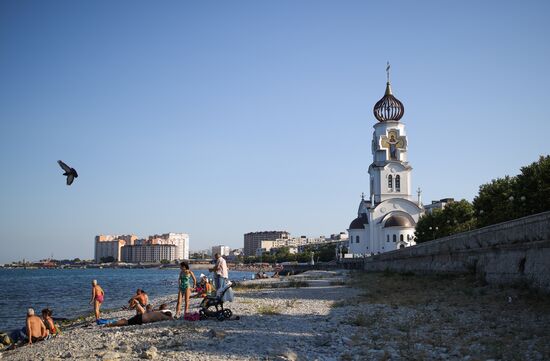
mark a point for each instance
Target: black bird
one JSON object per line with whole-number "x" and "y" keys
{"x": 69, "y": 172}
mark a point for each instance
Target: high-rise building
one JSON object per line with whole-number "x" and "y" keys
{"x": 107, "y": 246}
{"x": 221, "y": 250}
{"x": 148, "y": 253}
{"x": 252, "y": 240}
{"x": 180, "y": 240}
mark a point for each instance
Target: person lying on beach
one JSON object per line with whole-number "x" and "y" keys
{"x": 48, "y": 322}
{"x": 98, "y": 296}
{"x": 139, "y": 302}
{"x": 163, "y": 314}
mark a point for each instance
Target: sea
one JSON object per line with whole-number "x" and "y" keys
{"x": 67, "y": 291}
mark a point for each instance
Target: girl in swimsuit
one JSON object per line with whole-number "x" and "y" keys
{"x": 48, "y": 321}
{"x": 184, "y": 287}
{"x": 98, "y": 296}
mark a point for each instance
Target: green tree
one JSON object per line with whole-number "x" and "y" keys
{"x": 108, "y": 259}
{"x": 456, "y": 217}
{"x": 494, "y": 203}
{"x": 164, "y": 261}
{"x": 532, "y": 188}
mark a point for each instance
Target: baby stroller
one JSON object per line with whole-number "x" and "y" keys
{"x": 212, "y": 306}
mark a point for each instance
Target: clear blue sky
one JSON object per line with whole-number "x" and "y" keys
{"x": 218, "y": 118}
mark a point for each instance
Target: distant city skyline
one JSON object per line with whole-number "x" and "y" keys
{"x": 218, "y": 119}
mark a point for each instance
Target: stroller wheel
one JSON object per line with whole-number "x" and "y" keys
{"x": 202, "y": 315}
{"x": 227, "y": 313}
{"x": 220, "y": 316}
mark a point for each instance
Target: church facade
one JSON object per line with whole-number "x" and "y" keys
{"x": 386, "y": 221}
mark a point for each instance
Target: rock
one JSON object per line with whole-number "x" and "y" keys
{"x": 67, "y": 354}
{"x": 286, "y": 354}
{"x": 150, "y": 353}
{"x": 109, "y": 355}
{"x": 216, "y": 334}
{"x": 6, "y": 340}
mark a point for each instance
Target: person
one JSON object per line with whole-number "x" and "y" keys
{"x": 220, "y": 272}
{"x": 139, "y": 302}
{"x": 184, "y": 287}
{"x": 35, "y": 328}
{"x": 48, "y": 322}
{"x": 163, "y": 314}
{"x": 98, "y": 296}
{"x": 204, "y": 287}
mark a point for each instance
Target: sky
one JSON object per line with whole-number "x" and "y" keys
{"x": 219, "y": 118}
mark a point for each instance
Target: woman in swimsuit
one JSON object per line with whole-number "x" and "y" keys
{"x": 98, "y": 296}
{"x": 48, "y": 321}
{"x": 184, "y": 287}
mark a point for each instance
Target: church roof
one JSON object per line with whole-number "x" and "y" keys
{"x": 398, "y": 220}
{"x": 359, "y": 222}
{"x": 389, "y": 107}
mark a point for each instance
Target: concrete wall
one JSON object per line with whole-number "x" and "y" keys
{"x": 512, "y": 252}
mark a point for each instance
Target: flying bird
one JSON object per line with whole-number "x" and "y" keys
{"x": 69, "y": 172}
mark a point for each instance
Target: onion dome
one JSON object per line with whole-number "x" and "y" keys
{"x": 359, "y": 222}
{"x": 398, "y": 220}
{"x": 389, "y": 107}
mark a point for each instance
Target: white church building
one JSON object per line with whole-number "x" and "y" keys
{"x": 387, "y": 220}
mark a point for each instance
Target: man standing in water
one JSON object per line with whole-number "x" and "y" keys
{"x": 220, "y": 272}
{"x": 98, "y": 296}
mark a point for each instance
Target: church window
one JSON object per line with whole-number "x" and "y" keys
{"x": 390, "y": 181}
{"x": 395, "y": 238}
{"x": 397, "y": 183}
{"x": 401, "y": 238}
{"x": 356, "y": 239}
{"x": 387, "y": 238}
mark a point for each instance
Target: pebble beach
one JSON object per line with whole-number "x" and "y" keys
{"x": 322, "y": 315}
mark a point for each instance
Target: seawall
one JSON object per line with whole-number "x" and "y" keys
{"x": 513, "y": 252}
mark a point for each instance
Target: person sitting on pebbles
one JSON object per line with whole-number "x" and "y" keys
{"x": 35, "y": 329}
{"x": 163, "y": 314}
{"x": 204, "y": 287}
{"x": 139, "y": 302}
{"x": 48, "y": 322}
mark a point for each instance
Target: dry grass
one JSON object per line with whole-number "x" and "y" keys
{"x": 269, "y": 310}
{"x": 453, "y": 312}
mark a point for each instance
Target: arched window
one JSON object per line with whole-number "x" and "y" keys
{"x": 397, "y": 183}
{"x": 401, "y": 238}
{"x": 390, "y": 181}
{"x": 356, "y": 239}
{"x": 387, "y": 238}
{"x": 394, "y": 238}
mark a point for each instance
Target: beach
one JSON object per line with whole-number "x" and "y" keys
{"x": 329, "y": 315}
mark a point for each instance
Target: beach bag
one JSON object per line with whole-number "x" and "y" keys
{"x": 229, "y": 295}
{"x": 192, "y": 316}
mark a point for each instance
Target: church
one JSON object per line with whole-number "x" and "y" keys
{"x": 387, "y": 220}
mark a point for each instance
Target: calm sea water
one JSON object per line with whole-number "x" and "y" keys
{"x": 68, "y": 291}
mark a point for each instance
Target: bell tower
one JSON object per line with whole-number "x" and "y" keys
{"x": 390, "y": 172}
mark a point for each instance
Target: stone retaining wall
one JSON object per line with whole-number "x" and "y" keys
{"x": 514, "y": 252}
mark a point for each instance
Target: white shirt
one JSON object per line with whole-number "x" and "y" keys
{"x": 221, "y": 267}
